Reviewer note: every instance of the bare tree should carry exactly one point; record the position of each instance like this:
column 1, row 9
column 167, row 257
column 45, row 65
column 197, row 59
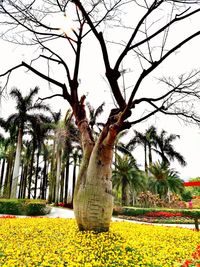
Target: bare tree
column 145, row 39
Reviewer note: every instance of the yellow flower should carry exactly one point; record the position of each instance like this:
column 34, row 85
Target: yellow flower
column 57, row 242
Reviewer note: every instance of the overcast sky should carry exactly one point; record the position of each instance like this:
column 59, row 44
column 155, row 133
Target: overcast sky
column 98, row 91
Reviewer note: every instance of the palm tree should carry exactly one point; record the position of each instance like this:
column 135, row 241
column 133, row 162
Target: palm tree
column 128, row 177
column 25, row 109
column 93, row 115
column 147, row 140
column 76, row 155
column 163, row 180
column 52, row 175
column 41, row 128
column 166, row 150
column 9, row 150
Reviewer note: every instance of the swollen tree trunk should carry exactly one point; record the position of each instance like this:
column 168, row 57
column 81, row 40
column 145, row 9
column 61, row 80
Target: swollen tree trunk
column 15, row 176
column 93, row 199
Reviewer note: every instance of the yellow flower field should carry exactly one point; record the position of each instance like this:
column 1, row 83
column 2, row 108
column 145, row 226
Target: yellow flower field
column 57, row 242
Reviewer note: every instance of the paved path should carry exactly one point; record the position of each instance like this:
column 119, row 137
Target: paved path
column 67, row 213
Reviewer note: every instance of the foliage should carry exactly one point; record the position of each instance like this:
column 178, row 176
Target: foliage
column 128, row 177
column 11, row 206
column 23, row 207
column 57, row 242
column 186, row 195
column 163, row 180
column 36, row 208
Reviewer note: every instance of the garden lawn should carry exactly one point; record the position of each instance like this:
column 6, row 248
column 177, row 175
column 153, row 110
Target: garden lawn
column 57, row 242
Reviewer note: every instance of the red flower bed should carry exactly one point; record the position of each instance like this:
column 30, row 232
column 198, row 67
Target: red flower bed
column 61, row 204
column 7, row 217
column 163, row 214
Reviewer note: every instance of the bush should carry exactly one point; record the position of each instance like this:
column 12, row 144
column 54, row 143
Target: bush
column 23, row 207
column 11, row 206
column 34, row 209
column 148, row 199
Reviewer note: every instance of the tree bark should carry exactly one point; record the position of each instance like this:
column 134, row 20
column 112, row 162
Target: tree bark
column 93, row 198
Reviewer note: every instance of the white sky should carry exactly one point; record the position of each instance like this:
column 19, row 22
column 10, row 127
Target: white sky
column 98, row 91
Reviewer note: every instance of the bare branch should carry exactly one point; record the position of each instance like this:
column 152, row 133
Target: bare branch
column 127, row 48
column 49, row 97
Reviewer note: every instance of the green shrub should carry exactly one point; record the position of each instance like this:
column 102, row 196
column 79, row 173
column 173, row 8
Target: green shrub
column 132, row 211
column 11, row 206
column 23, row 207
column 34, row 209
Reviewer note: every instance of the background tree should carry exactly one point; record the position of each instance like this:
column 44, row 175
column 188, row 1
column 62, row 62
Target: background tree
column 147, row 140
column 128, row 178
column 166, row 150
column 25, row 108
column 145, row 40
column 9, row 148
column 163, row 180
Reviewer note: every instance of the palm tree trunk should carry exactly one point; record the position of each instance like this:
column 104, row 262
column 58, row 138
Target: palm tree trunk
column 24, row 185
column 145, row 159
column 150, row 155
column 58, row 173
column 2, row 175
column 8, row 176
column 31, row 171
column 66, row 180
column 62, row 183
column 15, row 176
column 21, row 182
column 51, row 195
column 44, row 181
column 36, row 173
column 124, row 192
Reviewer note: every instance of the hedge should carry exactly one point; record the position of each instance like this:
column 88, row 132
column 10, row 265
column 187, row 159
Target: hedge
column 132, row 211
column 30, row 207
